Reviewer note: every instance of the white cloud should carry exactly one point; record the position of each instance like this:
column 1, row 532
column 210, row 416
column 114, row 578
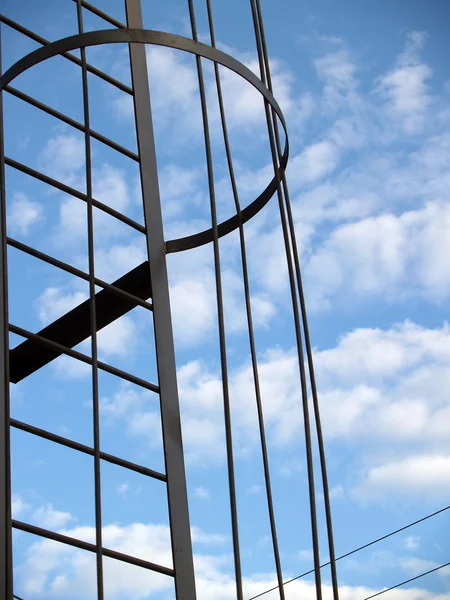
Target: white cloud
column 200, row 392
column 202, row 493
column 118, row 338
column 53, row 570
column 56, row 570
column 53, row 303
column 305, row 555
column 18, row 506
column 50, row 518
column 123, row 489
column 109, row 187
column 291, row 467
column 174, row 85
column 316, row 161
column 137, row 410
column 254, row 489
column 207, row 539
column 192, row 307
column 114, row 261
column 63, row 157
column 23, row 213
column 67, row 367
column 337, row 492
column 179, row 190
column 125, row 401
column 337, row 70
column 416, row 566
column 427, row 476
column 411, row 542
column 194, row 304
column 373, row 378
column 370, row 355
column 367, row 384
column 406, row 88
column 397, row 256
column 176, row 104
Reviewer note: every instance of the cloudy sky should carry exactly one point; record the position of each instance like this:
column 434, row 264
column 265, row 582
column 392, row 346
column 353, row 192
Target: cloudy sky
column 365, row 89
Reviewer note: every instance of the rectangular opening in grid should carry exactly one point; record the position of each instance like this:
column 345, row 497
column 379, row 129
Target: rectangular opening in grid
column 122, row 580
column 45, row 568
column 46, row 217
column 52, row 486
column 135, row 514
column 56, row 398
column 130, row 422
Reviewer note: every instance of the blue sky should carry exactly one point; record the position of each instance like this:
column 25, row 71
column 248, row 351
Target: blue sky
column 365, row 90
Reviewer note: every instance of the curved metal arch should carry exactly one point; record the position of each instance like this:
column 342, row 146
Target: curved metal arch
column 177, row 42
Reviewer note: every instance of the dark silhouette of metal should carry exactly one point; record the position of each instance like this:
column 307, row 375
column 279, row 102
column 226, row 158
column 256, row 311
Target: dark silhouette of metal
column 147, row 286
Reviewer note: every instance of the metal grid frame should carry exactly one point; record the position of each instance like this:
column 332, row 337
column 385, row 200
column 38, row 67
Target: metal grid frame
column 149, row 280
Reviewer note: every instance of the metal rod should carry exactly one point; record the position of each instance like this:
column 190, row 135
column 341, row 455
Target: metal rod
column 83, row 358
column 93, row 317
column 111, row 458
column 78, row 273
column 249, row 317
column 99, row 13
column 6, row 580
column 69, row 121
column 10, row 162
column 40, row 40
column 297, row 323
column 221, row 321
column 76, row 543
column 165, row 353
column 320, row 441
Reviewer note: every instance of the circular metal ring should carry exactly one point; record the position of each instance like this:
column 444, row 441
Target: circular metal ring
column 159, row 38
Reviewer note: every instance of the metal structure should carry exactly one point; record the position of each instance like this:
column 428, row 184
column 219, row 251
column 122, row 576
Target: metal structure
column 147, row 287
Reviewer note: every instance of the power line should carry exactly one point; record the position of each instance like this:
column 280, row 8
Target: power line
column 380, row 539
column 408, row 581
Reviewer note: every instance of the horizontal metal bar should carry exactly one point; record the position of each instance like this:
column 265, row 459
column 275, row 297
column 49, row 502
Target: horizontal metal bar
column 69, row 121
column 111, row 458
column 10, row 162
column 102, row 15
column 60, row 349
column 74, row 271
column 40, row 40
column 70, row 541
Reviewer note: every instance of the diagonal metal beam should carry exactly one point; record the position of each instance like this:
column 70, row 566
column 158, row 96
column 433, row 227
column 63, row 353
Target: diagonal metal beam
column 74, row 327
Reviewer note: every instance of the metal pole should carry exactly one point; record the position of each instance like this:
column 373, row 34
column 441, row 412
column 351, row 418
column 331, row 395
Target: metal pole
column 6, row 586
column 165, row 353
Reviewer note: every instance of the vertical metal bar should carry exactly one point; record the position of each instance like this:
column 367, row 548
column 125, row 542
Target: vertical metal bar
column 297, row 323
column 6, row 574
column 165, row 354
column 93, row 316
column 320, row 441
column 221, row 321
column 248, row 307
